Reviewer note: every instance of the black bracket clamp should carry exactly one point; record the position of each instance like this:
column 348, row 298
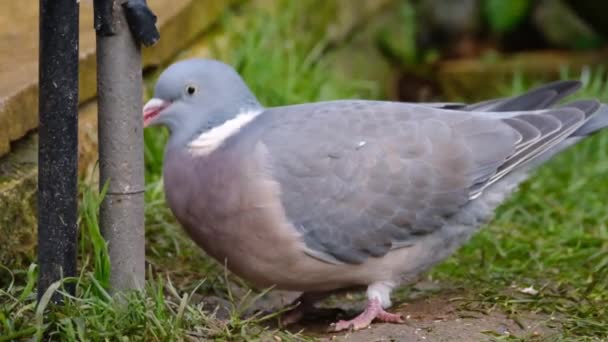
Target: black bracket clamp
column 141, row 20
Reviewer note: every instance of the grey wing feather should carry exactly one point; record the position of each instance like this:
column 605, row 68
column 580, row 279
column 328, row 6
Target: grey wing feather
column 539, row 98
column 555, row 126
column 359, row 178
column 598, row 121
column 529, row 133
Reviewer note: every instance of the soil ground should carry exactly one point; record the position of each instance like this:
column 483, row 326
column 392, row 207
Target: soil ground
column 433, row 313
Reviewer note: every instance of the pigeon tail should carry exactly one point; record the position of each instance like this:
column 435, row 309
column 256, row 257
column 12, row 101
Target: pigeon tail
column 538, row 98
column 597, row 122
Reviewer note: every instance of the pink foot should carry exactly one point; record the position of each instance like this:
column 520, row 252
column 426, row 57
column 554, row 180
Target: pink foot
column 303, row 305
column 373, row 311
column 291, row 317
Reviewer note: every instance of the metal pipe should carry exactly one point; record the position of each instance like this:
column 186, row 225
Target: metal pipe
column 58, row 143
column 119, row 87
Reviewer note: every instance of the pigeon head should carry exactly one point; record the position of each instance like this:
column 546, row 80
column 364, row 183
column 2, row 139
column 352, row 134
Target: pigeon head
column 195, row 95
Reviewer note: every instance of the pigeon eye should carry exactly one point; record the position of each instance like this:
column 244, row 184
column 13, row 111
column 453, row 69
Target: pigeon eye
column 191, row 90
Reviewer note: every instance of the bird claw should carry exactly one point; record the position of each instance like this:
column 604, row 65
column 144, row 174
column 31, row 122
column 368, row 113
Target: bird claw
column 388, row 317
column 291, row 317
column 373, row 311
column 341, row 326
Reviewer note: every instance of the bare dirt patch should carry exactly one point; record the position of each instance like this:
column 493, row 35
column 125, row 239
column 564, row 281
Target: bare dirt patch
column 438, row 318
column 433, row 313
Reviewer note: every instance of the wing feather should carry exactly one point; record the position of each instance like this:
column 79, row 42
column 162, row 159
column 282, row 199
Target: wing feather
column 359, row 178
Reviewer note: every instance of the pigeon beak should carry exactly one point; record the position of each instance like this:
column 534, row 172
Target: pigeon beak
column 152, row 109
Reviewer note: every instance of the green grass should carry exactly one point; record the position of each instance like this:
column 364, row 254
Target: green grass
column 551, row 235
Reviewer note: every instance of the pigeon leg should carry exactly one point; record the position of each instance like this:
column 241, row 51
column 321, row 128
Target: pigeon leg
column 373, row 311
column 305, row 304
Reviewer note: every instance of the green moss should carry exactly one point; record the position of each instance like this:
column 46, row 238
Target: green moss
column 18, row 179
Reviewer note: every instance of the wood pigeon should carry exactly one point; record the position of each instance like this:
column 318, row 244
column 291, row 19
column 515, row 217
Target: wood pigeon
column 338, row 195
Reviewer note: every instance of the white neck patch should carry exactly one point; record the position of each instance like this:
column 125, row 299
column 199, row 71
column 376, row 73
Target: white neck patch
column 210, row 140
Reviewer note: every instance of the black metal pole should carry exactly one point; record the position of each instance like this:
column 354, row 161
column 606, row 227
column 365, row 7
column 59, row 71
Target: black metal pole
column 58, row 142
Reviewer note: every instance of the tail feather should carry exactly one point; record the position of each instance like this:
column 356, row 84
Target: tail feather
column 543, row 97
column 545, row 130
column 555, row 125
column 538, row 98
column 597, row 122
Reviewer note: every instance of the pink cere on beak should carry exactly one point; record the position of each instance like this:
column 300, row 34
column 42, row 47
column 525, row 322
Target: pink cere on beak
column 152, row 109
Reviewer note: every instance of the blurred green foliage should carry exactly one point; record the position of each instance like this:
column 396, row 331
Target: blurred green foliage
column 397, row 38
column 504, row 15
